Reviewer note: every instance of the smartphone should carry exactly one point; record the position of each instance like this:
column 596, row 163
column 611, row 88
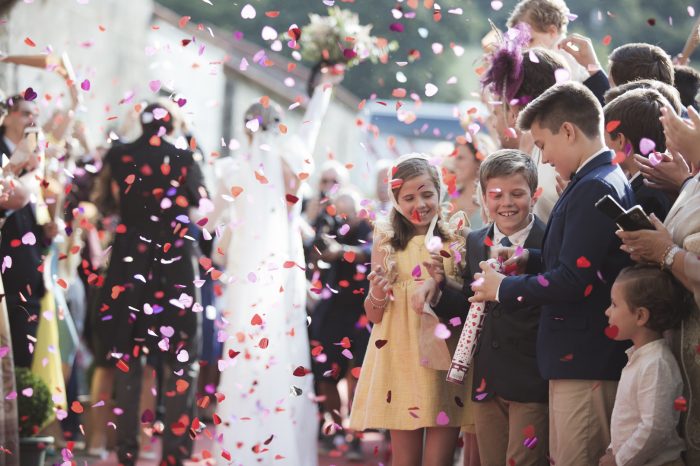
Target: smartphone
column 629, row 220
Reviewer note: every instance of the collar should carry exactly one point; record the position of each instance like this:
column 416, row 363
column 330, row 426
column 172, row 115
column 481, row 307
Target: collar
column 518, row 238
column 604, row 156
column 653, row 346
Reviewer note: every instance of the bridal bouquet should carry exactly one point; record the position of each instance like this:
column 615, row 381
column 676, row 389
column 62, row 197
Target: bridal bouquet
column 339, row 38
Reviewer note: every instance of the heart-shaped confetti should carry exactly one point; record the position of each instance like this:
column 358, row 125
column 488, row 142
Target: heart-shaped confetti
column 29, row 94
column 646, row 145
column 29, row 239
column 442, row 332
column 248, row 12
column 612, row 331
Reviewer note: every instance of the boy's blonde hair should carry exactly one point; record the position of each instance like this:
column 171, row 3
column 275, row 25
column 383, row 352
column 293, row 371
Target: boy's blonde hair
column 540, row 14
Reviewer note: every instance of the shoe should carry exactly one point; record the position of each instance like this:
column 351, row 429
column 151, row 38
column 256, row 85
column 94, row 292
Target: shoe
column 354, row 453
column 330, row 443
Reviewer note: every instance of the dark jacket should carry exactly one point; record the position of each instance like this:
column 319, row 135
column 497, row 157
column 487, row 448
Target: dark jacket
column 599, row 84
column 572, row 275
column 151, row 265
column 505, row 362
column 653, row 201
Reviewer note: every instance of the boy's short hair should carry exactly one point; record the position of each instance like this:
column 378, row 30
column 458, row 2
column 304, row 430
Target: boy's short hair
column 540, row 14
column 507, row 162
column 638, row 112
column 569, row 101
column 630, row 62
column 666, row 90
column 687, row 82
column 539, row 75
column 658, row 290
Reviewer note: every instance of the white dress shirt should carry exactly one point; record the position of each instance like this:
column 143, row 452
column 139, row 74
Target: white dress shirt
column 518, row 238
column 643, row 424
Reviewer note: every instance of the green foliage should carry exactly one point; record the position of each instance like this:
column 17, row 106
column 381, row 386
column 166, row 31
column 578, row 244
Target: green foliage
column 33, row 410
column 624, row 20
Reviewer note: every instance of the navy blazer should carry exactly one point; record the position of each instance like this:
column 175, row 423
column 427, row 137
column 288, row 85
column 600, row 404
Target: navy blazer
column 576, row 268
column 653, row 201
column 505, row 362
column 598, row 84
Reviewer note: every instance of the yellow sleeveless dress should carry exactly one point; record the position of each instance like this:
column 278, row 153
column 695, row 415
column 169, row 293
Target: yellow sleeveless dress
column 394, row 390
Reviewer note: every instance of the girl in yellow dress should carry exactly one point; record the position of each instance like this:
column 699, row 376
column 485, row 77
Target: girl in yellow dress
column 402, row 383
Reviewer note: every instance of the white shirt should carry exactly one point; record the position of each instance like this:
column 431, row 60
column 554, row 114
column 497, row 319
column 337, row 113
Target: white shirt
column 643, row 424
column 518, row 238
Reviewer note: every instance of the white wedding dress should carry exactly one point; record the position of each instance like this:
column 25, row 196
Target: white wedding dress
column 268, row 416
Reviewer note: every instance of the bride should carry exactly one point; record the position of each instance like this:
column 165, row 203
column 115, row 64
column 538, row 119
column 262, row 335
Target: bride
column 269, row 410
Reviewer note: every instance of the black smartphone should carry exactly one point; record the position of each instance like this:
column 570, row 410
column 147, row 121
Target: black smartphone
column 629, row 220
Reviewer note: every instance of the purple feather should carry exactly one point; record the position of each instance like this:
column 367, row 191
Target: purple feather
column 505, row 73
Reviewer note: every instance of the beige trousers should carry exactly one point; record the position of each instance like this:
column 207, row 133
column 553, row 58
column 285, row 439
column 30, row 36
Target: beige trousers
column 501, row 429
column 579, row 420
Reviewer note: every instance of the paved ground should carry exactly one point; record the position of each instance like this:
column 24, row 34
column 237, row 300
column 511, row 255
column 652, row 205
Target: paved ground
column 375, row 450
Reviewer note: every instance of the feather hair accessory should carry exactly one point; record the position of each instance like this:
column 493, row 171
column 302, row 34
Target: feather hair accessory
column 505, row 75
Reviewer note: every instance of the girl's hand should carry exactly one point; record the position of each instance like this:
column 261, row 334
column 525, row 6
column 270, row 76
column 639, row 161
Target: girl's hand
column 379, row 280
column 423, row 294
column 646, row 245
column 435, row 267
column 607, row 460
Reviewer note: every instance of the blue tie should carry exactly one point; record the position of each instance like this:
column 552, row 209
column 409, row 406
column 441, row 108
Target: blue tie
column 505, row 242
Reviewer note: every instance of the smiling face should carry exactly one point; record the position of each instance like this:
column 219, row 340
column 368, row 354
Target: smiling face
column 556, row 148
column 509, row 202
column 418, row 201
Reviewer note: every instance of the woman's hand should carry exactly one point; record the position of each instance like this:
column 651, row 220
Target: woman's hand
column 647, row 245
column 667, row 175
column 682, row 135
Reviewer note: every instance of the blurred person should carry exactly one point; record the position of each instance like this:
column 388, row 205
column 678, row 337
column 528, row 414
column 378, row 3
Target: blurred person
column 149, row 286
column 338, row 324
column 687, row 81
column 463, row 164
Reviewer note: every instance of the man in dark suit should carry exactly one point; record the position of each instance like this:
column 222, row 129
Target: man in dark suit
column 147, row 301
column 508, row 392
column 635, row 128
column 572, row 275
column 23, row 239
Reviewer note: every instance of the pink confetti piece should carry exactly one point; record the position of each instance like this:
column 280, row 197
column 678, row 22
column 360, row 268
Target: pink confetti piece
column 167, row 331
column 29, row 239
column 442, row 419
column 691, row 11
column 416, row 272
column 28, row 392
column 542, row 280
column 154, row 85
column 562, row 75
column 646, row 145
column 496, row 5
column 655, row 158
column 430, row 90
column 455, row 321
column 344, row 229
column 347, row 353
column 183, row 356
column 442, row 332
column 85, row 85
column 159, row 113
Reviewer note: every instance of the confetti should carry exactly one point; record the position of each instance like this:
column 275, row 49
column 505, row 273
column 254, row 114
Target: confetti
column 646, row 145
column 612, row 331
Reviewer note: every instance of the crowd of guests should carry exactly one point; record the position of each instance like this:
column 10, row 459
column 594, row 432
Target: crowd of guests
column 588, row 349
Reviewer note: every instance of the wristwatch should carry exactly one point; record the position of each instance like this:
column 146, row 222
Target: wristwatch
column 670, row 255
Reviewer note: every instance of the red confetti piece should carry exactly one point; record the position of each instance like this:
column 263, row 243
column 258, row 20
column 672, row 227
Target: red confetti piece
column 29, row 42
column 612, row 125
column 183, row 21
column 272, row 14
column 122, row 366
column 680, row 404
column 488, row 241
column 256, row 320
column 619, row 157
column 388, row 396
column 301, row 371
column 236, row 191
column 529, row 431
column 607, row 39
column 349, row 256
column 588, row 290
column 612, row 331
column 356, row 372
column 567, row 357
column 76, row 407
column 345, row 342
column 582, row 263
column 264, row 343
column 292, row 199
column 380, row 343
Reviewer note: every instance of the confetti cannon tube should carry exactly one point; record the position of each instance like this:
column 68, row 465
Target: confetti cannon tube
column 464, row 354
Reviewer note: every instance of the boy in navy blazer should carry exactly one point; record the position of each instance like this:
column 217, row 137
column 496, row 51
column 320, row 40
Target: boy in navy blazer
column 571, row 276
column 508, row 392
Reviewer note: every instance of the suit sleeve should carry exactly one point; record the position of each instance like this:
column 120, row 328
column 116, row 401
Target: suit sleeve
column 194, row 183
column 587, row 240
column 598, row 84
